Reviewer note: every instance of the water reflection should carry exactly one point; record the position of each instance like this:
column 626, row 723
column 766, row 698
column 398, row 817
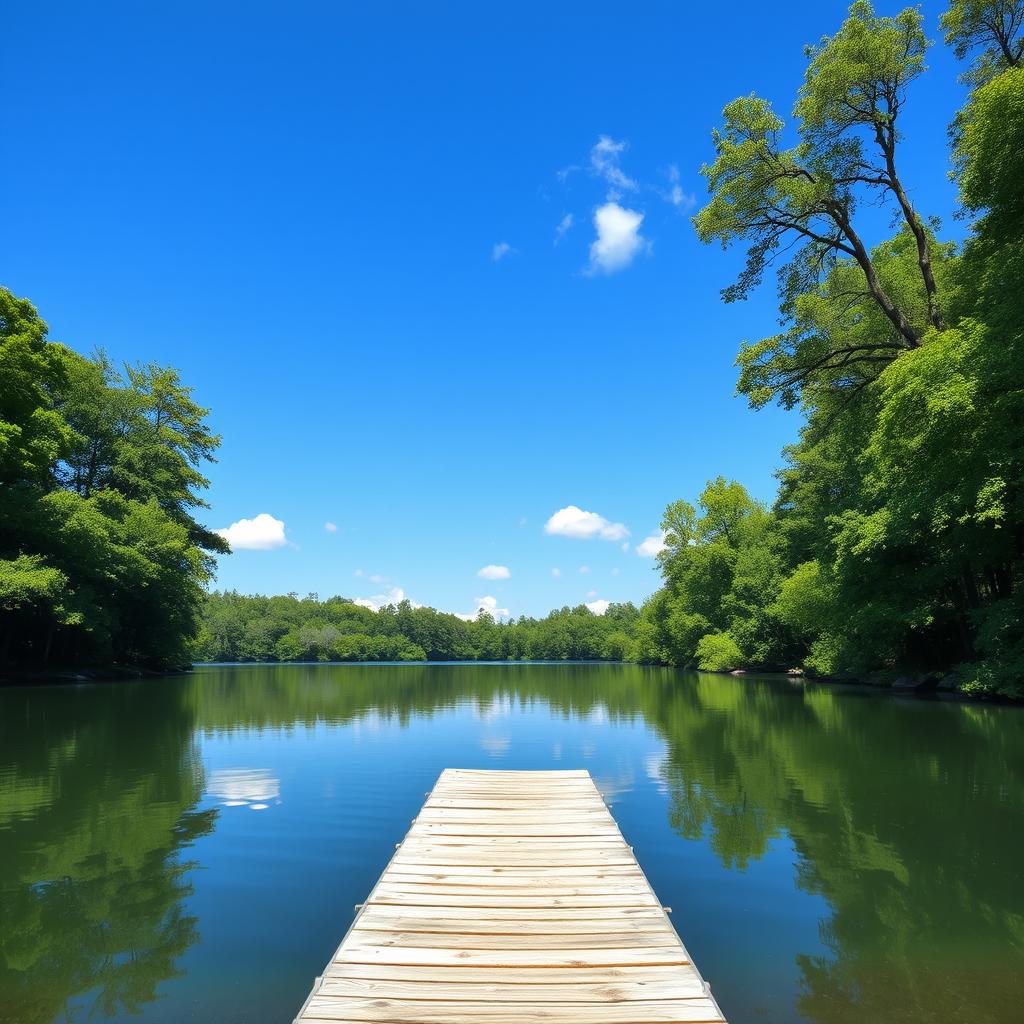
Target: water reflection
column 254, row 788
column 904, row 820
column 906, row 817
column 97, row 805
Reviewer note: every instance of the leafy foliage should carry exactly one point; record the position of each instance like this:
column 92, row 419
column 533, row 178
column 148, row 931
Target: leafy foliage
column 101, row 560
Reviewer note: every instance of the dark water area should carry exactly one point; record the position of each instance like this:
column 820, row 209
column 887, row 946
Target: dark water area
column 191, row 848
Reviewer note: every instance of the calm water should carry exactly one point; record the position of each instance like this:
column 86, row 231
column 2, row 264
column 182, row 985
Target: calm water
column 191, row 849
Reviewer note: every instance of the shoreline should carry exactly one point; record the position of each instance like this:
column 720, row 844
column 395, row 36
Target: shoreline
column 921, row 690
column 73, row 676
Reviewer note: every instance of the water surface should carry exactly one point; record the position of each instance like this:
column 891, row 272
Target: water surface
column 191, row 849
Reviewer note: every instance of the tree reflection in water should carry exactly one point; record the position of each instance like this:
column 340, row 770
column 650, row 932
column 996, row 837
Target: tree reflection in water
column 98, row 801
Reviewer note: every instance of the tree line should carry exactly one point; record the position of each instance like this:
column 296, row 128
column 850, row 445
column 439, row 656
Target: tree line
column 237, row 627
column 895, row 543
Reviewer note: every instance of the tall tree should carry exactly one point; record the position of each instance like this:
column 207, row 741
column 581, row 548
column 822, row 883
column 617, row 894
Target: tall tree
column 856, row 85
column 796, row 208
column 989, row 31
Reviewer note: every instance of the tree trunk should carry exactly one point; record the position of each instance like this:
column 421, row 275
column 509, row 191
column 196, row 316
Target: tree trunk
column 878, row 293
column 924, row 258
column 50, row 630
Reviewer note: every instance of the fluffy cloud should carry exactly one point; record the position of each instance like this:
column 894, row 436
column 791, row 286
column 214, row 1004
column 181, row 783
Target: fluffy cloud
column 501, row 250
column 572, row 521
column 262, row 533
column 618, row 238
column 331, row 527
column 394, row 595
column 487, row 604
column 651, row 546
column 563, row 228
column 598, row 607
column 494, row 572
column 604, row 162
column 584, row 569
column 556, row 572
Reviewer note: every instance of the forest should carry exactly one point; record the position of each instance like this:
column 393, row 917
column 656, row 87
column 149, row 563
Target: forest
column 895, row 545
column 289, row 628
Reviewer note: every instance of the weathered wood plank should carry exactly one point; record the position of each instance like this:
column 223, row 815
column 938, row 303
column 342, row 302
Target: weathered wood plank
column 517, row 991
column 500, row 898
column 412, row 1011
column 488, row 925
column 591, row 976
column 513, row 899
column 570, row 956
column 375, row 909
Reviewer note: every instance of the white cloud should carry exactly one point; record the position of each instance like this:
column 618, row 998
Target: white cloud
column 494, row 572
column 683, row 201
column 487, row 604
column 654, row 765
column 496, row 746
column 393, row 595
column 501, row 250
column 584, row 569
column 618, row 238
column 604, row 162
column 652, row 545
column 572, row 521
column 686, row 200
column 598, row 607
column 262, row 533
column 331, row 527
column 377, row 578
column 563, row 227
column 244, row 787
column 591, row 593
column 556, row 572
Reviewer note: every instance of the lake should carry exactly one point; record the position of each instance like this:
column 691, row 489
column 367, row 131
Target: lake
column 191, row 848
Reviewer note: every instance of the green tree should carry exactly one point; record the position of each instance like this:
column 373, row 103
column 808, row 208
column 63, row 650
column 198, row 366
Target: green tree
column 987, row 30
column 723, row 567
column 101, row 560
column 795, row 209
column 33, row 435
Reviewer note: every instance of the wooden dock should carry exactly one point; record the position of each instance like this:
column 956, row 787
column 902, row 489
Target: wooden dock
column 513, row 899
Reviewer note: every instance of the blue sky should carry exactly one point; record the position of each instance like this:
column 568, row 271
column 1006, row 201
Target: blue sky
column 430, row 266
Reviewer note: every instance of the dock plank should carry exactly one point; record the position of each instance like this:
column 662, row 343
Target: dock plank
column 512, row 899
